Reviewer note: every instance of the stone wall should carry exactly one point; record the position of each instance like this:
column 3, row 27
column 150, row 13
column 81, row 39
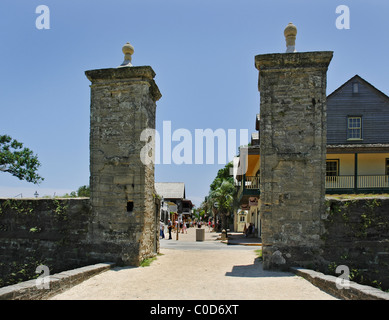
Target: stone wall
column 59, row 282
column 42, row 231
column 356, row 234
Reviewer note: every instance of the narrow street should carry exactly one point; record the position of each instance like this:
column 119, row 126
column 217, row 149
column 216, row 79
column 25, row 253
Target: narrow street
column 190, row 270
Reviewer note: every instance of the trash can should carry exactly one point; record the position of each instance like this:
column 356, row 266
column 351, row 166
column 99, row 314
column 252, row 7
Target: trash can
column 200, row 234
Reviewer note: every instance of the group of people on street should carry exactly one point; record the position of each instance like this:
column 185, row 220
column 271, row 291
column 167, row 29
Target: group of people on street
column 181, row 226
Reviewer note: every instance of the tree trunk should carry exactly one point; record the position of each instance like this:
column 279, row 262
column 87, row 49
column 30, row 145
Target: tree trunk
column 224, row 221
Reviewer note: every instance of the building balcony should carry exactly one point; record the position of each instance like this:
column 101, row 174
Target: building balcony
column 357, row 184
column 248, row 187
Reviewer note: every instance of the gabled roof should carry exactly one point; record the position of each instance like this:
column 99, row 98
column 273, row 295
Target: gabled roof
column 357, row 77
column 170, row 190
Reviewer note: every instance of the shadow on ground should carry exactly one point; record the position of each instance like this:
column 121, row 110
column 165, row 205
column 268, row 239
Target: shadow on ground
column 240, row 238
column 255, row 270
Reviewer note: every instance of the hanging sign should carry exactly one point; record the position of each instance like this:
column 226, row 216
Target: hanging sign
column 253, row 201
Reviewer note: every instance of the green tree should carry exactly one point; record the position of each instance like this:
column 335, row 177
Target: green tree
column 222, row 175
column 222, row 194
column 198, row 213
column 223, row 199
column 18, row 161
column 83, row 191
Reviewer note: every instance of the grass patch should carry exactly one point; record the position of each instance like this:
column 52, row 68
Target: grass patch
column 356, row 196
column 258, row 252
column 147, row 262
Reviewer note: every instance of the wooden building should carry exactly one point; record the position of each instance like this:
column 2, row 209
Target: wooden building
column 174, row 204
column 357, row 139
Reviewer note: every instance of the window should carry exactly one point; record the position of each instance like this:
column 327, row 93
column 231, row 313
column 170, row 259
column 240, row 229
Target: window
column 332, row 168
column 130, row 206
column 354, row 128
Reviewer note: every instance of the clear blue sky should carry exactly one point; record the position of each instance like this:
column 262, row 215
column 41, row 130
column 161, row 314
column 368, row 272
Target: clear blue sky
column 202, row 52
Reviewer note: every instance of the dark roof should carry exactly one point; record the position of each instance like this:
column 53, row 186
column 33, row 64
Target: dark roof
column 358, row 148
column 364, row 82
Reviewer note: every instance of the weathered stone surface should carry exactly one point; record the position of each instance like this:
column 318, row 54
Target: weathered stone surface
column 330, row 284
column 123, row 104
column 293, row 150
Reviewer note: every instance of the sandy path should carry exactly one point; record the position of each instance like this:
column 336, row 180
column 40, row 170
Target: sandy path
column 198, row 275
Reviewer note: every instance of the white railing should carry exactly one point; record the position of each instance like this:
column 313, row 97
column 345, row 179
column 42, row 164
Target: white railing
column 380, row 181
column 339, row 182
column 248, row 182
column 363, row 182
column 252, row 182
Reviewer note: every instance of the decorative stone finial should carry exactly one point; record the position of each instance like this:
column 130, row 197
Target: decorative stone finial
column 290, row 33
column 128, row 50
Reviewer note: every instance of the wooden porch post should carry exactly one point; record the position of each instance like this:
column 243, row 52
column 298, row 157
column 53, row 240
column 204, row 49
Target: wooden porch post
column 356, row 172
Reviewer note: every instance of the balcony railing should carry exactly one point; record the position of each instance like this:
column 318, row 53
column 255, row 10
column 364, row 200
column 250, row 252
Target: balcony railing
column 340, row 182
column 334, row 184
column 251, row 182
column 361, row 183
column 248, row 186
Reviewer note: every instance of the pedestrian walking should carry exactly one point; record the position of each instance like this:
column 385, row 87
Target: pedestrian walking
column 161, row 230
column 169, row 227
column 184, row 227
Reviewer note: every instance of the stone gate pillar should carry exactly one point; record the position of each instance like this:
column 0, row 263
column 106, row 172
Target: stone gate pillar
column 123, row 103
column 292, row 89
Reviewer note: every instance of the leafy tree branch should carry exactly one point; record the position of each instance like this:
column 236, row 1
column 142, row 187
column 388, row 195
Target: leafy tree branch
column 18, row 161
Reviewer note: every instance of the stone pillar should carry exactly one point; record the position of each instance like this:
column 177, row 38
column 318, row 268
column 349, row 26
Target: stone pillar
column 292, row 89
column 125, row 228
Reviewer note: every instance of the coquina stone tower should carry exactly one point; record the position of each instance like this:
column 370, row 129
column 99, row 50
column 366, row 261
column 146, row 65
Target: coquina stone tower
column 292, row 89
column 125, row 211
